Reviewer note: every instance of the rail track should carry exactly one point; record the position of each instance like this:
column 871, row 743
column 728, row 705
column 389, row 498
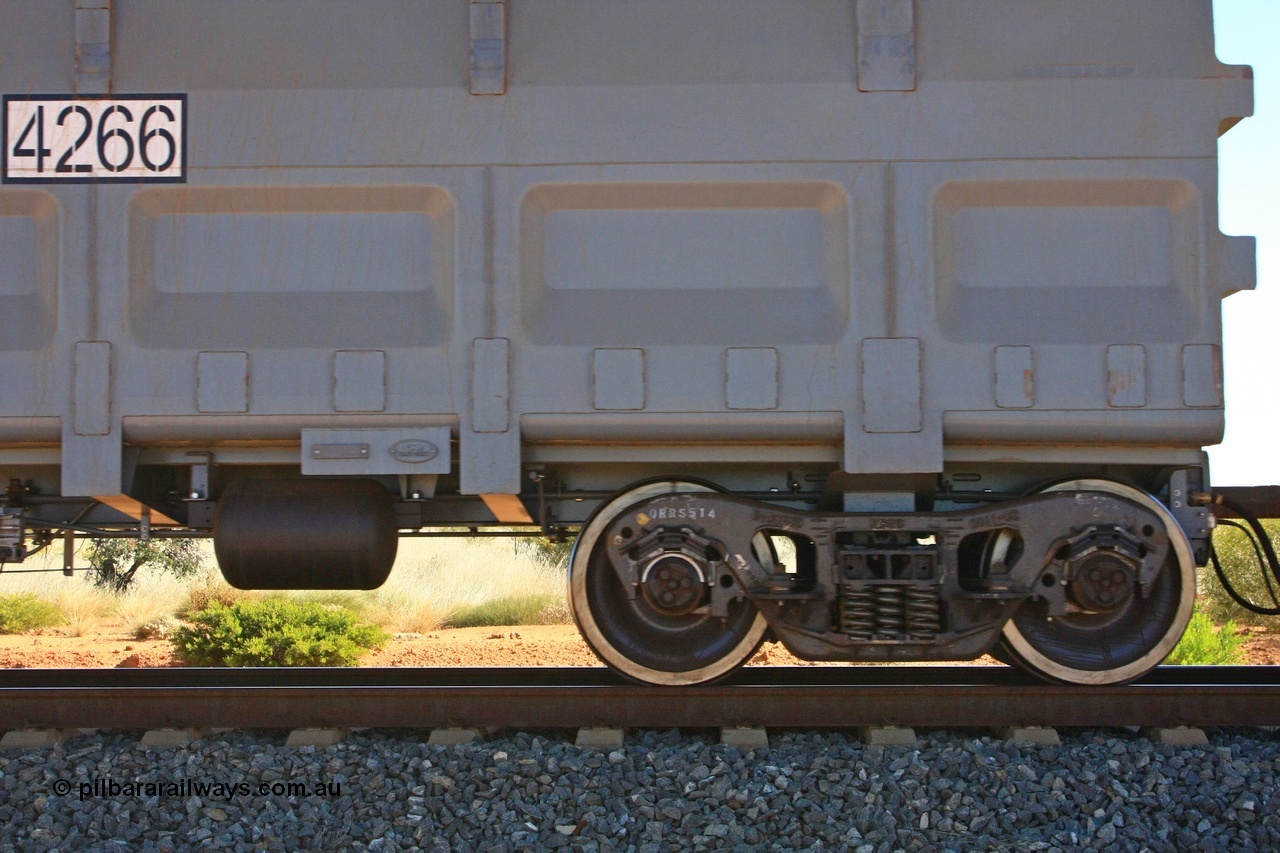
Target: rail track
column 538, row 698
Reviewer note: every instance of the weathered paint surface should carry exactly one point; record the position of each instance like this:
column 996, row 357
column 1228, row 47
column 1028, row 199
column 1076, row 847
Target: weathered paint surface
column 741, row 221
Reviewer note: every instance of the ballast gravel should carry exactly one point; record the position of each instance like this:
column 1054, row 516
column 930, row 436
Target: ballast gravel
column 391, row 791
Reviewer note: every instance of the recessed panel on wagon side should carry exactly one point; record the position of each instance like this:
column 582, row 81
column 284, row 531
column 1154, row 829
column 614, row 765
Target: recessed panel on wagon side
column 291, row 267
column 673, row 263
column 1066, row 261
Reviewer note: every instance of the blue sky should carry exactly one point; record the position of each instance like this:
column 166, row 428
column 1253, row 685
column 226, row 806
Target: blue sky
column 1248, row 33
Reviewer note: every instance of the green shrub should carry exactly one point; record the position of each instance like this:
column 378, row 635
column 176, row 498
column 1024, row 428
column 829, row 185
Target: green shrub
column 276, row 632
column 523, row 609
column 25, row 612
column 1204, row 644
column 1240, row 565
column 348, row 599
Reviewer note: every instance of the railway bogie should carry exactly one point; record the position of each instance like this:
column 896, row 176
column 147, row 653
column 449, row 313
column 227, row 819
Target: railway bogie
column 1090, row 581
column 921, row 299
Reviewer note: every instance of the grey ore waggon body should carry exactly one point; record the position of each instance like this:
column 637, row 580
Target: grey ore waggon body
column 886, row 329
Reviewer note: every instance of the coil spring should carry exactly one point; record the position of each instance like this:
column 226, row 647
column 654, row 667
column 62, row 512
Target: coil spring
column 857, row 614
column 888, row 611
column 924, row 613
column 891, row 611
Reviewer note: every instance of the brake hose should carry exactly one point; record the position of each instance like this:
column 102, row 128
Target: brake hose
column 1263, row 550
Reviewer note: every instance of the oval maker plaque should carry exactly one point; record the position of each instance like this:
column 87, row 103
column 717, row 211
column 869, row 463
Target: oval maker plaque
column 414, row 450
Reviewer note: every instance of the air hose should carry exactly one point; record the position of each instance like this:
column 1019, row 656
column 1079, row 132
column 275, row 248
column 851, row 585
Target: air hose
column 1263, row 549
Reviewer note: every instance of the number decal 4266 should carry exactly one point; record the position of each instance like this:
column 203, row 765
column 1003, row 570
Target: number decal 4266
column 121, row 138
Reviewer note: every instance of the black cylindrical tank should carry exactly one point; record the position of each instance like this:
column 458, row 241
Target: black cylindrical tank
column 305, row 534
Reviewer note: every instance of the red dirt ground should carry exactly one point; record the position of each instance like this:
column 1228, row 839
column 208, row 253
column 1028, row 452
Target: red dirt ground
column 110, row 646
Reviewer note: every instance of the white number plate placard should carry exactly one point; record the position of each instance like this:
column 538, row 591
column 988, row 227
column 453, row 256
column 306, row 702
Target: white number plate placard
column 64, row 139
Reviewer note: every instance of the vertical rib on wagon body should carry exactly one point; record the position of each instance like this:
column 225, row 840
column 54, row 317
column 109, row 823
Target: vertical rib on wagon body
column 874, row 259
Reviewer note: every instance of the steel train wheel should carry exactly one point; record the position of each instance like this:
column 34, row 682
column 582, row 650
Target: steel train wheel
column 1108, row 648
column 638, row 641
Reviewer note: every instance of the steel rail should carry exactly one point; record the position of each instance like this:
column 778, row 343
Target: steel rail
column 535, row 698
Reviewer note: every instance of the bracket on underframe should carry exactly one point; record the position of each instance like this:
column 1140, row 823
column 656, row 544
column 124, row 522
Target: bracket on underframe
column 93, row 47
column 886, row 45
column 488, row 59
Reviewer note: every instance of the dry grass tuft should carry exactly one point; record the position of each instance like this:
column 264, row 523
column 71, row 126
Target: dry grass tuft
column 556, row 613
column 435, row 580
column 83, row 607
column 402, row 613
column 149, row 604
column 208, row 589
